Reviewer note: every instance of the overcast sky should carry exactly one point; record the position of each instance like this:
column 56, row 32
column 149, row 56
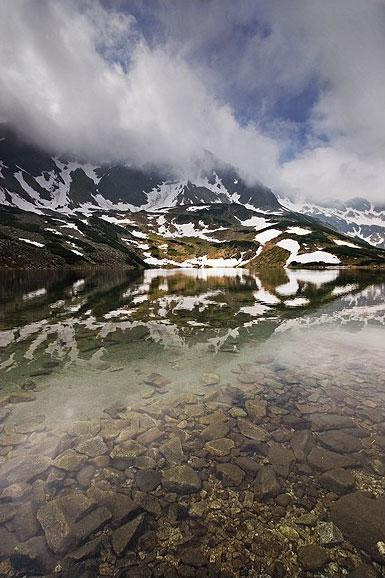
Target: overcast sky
column 292, row 92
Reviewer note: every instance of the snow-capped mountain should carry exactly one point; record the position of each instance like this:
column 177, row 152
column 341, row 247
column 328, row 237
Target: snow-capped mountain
column 57, row 213
column 32, row 180
column 356, row 217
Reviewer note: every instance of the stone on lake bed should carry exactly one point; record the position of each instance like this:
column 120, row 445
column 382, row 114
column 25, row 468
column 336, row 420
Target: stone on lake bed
column 220, row 447
column 312, row 557
column 301, row 443
column 339, row 441
column 281, row 459
column 208, row 379
column 172, row 450
column 252, row 431
column 181, row 479
column 92, row 447
column 69, row 519
column 322, row 459
column 266, row 483
column 147, row 480
column 70, row 461
column 121, row 537
column 126, row 452
column 326, row 421
column 21, row 396
column 339, row 481
column 256, row 408
column 157, row 380
column 328, row 534
column 230, row 474
column 361, row 520
column 217, row 429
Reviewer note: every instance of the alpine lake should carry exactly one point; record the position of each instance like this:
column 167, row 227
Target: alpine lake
column 196, row 422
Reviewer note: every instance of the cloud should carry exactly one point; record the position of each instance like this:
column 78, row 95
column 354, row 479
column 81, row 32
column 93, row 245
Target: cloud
column 70, row 84
column 162, row 82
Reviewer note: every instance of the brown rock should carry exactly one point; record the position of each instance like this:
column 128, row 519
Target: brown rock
column 181, row 479
column 121, row 537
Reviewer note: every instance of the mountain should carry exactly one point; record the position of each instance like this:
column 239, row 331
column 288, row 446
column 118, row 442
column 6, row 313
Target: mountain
column 356, row 217
column 57, row 213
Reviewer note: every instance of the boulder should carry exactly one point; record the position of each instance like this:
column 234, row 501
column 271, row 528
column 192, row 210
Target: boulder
column 301, row 443
column 220, row 447
column 147, row 480
column 230, row 474
column 340, row 441
column 121, row 537
column 312, row 557
column 92, row 447
column 70, row 461
column 217, row 429
column 339, row 481
column 172, row 450
column 281, row 459
column 361, row 520
column 266, row 483
column 181, row 479
column 324, row 460
column 252, row 431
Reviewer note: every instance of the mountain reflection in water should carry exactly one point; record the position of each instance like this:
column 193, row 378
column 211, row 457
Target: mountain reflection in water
column 100, row 332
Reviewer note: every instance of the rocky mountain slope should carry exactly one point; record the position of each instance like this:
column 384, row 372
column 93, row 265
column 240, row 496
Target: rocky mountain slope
column 356, row 217
column 56, row 213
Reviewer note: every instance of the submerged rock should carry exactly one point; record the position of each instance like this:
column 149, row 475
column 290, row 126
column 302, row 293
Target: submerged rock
column 322, row 459
column 122, row 536
column 361, row 520
column 266, row 483
column 181, row 479
column 339, row 481
column 312, row 557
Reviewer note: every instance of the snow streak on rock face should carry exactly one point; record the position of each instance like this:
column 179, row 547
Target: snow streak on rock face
column 356, row 218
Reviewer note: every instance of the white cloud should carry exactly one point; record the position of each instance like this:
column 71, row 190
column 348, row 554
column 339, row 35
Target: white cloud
column 80, row 79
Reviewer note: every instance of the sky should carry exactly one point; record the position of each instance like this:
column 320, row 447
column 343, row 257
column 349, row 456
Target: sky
column 291, row 92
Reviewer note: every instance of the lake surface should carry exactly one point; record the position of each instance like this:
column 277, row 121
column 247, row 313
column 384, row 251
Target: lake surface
column 211, row 408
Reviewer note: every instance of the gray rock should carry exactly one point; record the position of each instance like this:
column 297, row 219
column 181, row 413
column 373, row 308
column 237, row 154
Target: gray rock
column 181, row 479
column 230, row 474
column 324, row 460
column 121, row 537
column 172, row 451
column 8, row 542
column 124, row 454
column 256, row 408
column 252, row 431
column 301, row 443
column 339, row 441
column 339, row 481
column 266, row 483
column 312, row 557
column 361, row 520
column 281, row 459
column 326, row 421
column 92, row 447
column 33, row 556
column 23, row 469
column 59, row 519
column 217, row 429
column 120, row 505
column 328, row 534
column 220, row 447
column 70, row 461
column 147, row 480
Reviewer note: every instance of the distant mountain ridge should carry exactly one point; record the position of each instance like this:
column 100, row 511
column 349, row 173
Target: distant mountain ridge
column 356, row 217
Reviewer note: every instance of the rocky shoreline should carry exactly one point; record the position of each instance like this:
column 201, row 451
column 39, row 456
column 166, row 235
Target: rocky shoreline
column 265, row 476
